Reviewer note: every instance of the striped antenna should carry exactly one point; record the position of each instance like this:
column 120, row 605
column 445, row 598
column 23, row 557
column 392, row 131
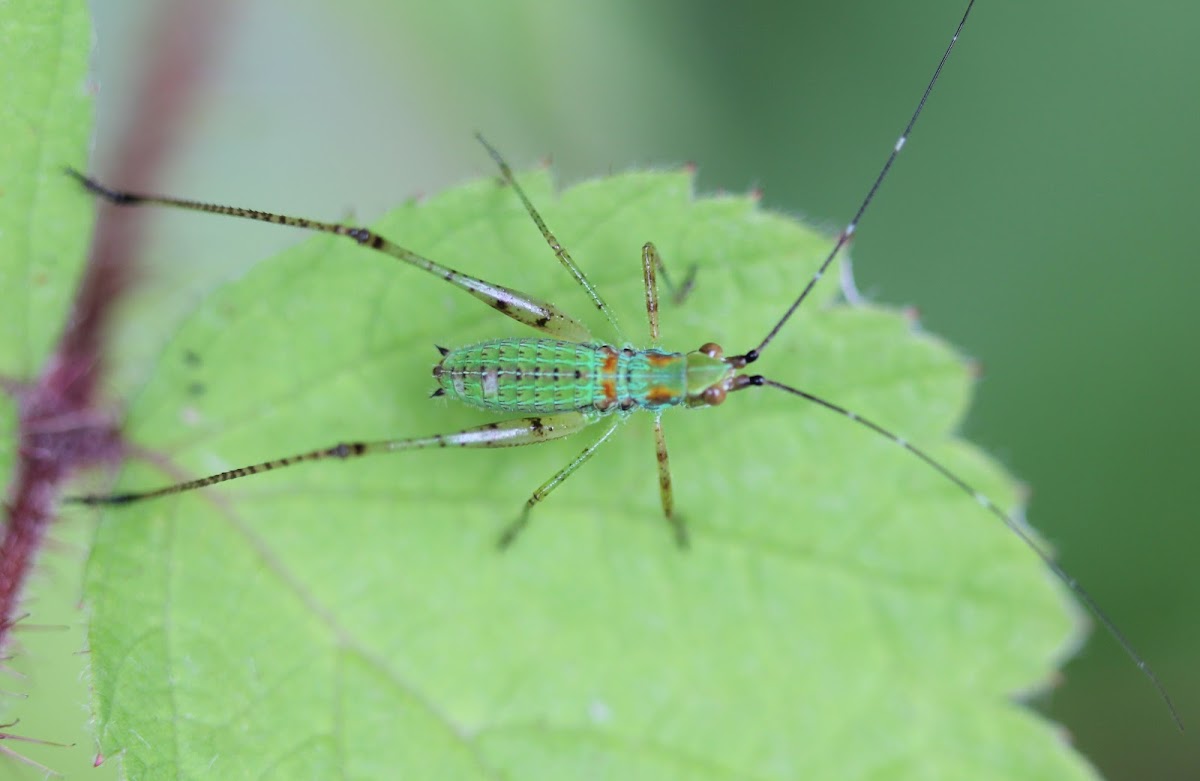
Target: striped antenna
column 1013, row 526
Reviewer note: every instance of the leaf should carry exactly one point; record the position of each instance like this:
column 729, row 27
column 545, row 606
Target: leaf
column 45, row 119
column 844, row 612
column 45, row 123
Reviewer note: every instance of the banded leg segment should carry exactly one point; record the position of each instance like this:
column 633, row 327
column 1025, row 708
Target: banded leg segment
column 522, row 307
column 505, row 433
column 664, row 484
column 651, row 262
column 560, row 252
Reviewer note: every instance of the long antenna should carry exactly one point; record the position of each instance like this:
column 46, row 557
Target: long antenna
column 991, row 507
column 848, row 232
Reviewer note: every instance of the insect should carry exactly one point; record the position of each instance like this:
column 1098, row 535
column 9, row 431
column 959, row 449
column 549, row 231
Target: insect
column 565, row 380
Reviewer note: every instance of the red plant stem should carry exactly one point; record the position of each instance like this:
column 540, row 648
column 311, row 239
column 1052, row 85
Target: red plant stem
column 61, row 430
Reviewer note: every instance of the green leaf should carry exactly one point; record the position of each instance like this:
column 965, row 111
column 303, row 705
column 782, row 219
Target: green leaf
column 45, row 123
column 843, row 613
column 45, row 120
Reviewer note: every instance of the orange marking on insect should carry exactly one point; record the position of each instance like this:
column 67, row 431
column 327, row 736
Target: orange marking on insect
column 660, row 394
column 659, row 361
column 608, row 372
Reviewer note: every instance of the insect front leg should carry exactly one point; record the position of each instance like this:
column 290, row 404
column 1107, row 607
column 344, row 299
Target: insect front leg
column 664, row 484
column 652, row 265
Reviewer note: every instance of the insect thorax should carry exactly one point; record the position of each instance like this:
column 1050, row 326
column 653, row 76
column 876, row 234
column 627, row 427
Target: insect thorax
column 549, row 375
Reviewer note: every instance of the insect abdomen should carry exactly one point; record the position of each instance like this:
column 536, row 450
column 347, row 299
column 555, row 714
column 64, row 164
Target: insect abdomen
column 549, row 375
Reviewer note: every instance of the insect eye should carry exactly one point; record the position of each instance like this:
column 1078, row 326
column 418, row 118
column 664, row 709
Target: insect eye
column 714, row 394
column 711, row 349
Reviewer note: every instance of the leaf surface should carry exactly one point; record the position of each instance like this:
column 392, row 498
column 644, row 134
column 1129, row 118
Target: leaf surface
column 843, row 613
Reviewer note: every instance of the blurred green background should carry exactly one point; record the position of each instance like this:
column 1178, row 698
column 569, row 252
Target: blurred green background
column 1039, row 219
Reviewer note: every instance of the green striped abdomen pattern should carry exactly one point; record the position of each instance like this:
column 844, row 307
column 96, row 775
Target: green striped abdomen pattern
column 550, row 375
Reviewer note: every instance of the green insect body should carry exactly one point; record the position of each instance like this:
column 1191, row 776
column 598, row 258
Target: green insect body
column 549, row 375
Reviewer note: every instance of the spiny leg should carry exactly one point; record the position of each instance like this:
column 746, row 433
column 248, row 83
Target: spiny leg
column 522, row 307
column 505, row 433
column 664, row 484
column 517, row 526
column 560, row 252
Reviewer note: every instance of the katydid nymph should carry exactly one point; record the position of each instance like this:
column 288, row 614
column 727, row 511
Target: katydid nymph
column 565, row 379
